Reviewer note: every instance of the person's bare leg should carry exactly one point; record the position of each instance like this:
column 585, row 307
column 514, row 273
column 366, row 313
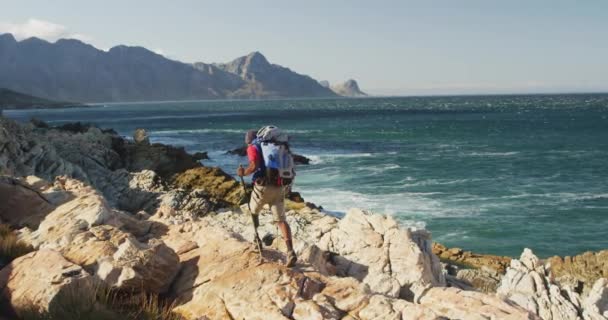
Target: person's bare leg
column 286, row 232
column 291, row 255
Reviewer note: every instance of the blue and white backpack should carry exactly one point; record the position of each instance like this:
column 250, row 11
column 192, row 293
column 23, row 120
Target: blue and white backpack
column 278, row 159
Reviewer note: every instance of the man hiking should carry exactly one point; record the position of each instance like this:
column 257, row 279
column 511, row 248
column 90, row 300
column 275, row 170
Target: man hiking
column 271, row 164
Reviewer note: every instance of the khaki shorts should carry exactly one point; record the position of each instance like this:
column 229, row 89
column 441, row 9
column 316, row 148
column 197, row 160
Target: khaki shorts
column 272, row 196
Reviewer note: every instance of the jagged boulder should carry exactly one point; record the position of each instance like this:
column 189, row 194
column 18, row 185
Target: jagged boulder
column 452, row 303
column 179, row 205
column 98, row 157
column 89, row 232
column 483, row 279
column 371, row 248
column 222, row 277
column 527, row 284
column 22, row 205
column 40, row 280
column 140, row 136
column 595, row 305
column 135, row 266
column 470, row 259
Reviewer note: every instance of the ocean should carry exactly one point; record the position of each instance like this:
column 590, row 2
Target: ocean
column 491, row 174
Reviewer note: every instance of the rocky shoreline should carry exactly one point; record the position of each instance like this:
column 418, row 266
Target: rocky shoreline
column 96, row 208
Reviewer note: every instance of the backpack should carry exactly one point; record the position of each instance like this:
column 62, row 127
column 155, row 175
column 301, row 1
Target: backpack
column 278, row 159
column 272, row 133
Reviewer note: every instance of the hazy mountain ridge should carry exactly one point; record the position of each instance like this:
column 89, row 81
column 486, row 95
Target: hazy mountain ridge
column 10, row 99
column 71, row 70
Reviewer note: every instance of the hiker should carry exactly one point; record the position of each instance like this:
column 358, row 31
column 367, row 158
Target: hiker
column 271, row 164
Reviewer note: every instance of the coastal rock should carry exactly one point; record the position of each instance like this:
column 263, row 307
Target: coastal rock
column 369, row 247
column 22, row 205
column 470, row 259
column 528, row 285
column 139, row 267
column 595, row 305
column 452, row 303
column 200, row 156
column 89, row 232
column 218, row 186
column 221, row 277
column 180, row 205
column 140, row 136
column 163, row 159
column 40, row 280
column 484, row 279
column 583, row 269
column 100, row 158
column 391, row 260
column 24, row 153
column 86, row 209
column 300, row 159
column 240, row 151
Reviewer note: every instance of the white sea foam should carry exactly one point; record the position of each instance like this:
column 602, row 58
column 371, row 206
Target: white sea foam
column 431, row 182
column 492, row 154
column 330, row 158
column 379, row 168
column 181, row 131
column 218, row 130
column 451, row 236
column 172, row 141
column 410, row 207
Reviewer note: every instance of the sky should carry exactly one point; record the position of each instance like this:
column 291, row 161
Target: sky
column 389, row 47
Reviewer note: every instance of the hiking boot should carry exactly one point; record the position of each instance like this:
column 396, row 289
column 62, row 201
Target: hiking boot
column 257, row 244
column 291, row 259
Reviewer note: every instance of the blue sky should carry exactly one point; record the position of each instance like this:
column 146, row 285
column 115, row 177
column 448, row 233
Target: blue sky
column 390, row 47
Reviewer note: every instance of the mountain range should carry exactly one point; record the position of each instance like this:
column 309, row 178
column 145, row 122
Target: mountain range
column 71, row 70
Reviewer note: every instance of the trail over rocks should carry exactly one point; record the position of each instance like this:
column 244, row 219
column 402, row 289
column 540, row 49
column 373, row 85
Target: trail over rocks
column 174, row 230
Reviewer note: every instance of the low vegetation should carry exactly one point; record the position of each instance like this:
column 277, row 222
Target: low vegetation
column 104, row 303
column 10, row 247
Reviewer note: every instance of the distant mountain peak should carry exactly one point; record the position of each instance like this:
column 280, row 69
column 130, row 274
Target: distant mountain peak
column 7, row 37
column 256, row 55
column 265, row 79
column 349, row 88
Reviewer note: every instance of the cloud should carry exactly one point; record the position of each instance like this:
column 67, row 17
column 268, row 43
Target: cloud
column 41, row 29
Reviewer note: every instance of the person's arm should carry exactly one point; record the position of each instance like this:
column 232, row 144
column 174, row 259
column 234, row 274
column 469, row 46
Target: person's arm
column 253, row 166
column 252, row 154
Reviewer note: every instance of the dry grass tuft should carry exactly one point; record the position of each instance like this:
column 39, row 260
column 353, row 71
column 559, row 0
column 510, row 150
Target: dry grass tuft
column 104, row 304
column 10, row 247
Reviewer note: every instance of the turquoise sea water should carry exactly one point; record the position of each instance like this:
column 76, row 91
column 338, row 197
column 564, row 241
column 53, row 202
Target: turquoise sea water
column 487, row 173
